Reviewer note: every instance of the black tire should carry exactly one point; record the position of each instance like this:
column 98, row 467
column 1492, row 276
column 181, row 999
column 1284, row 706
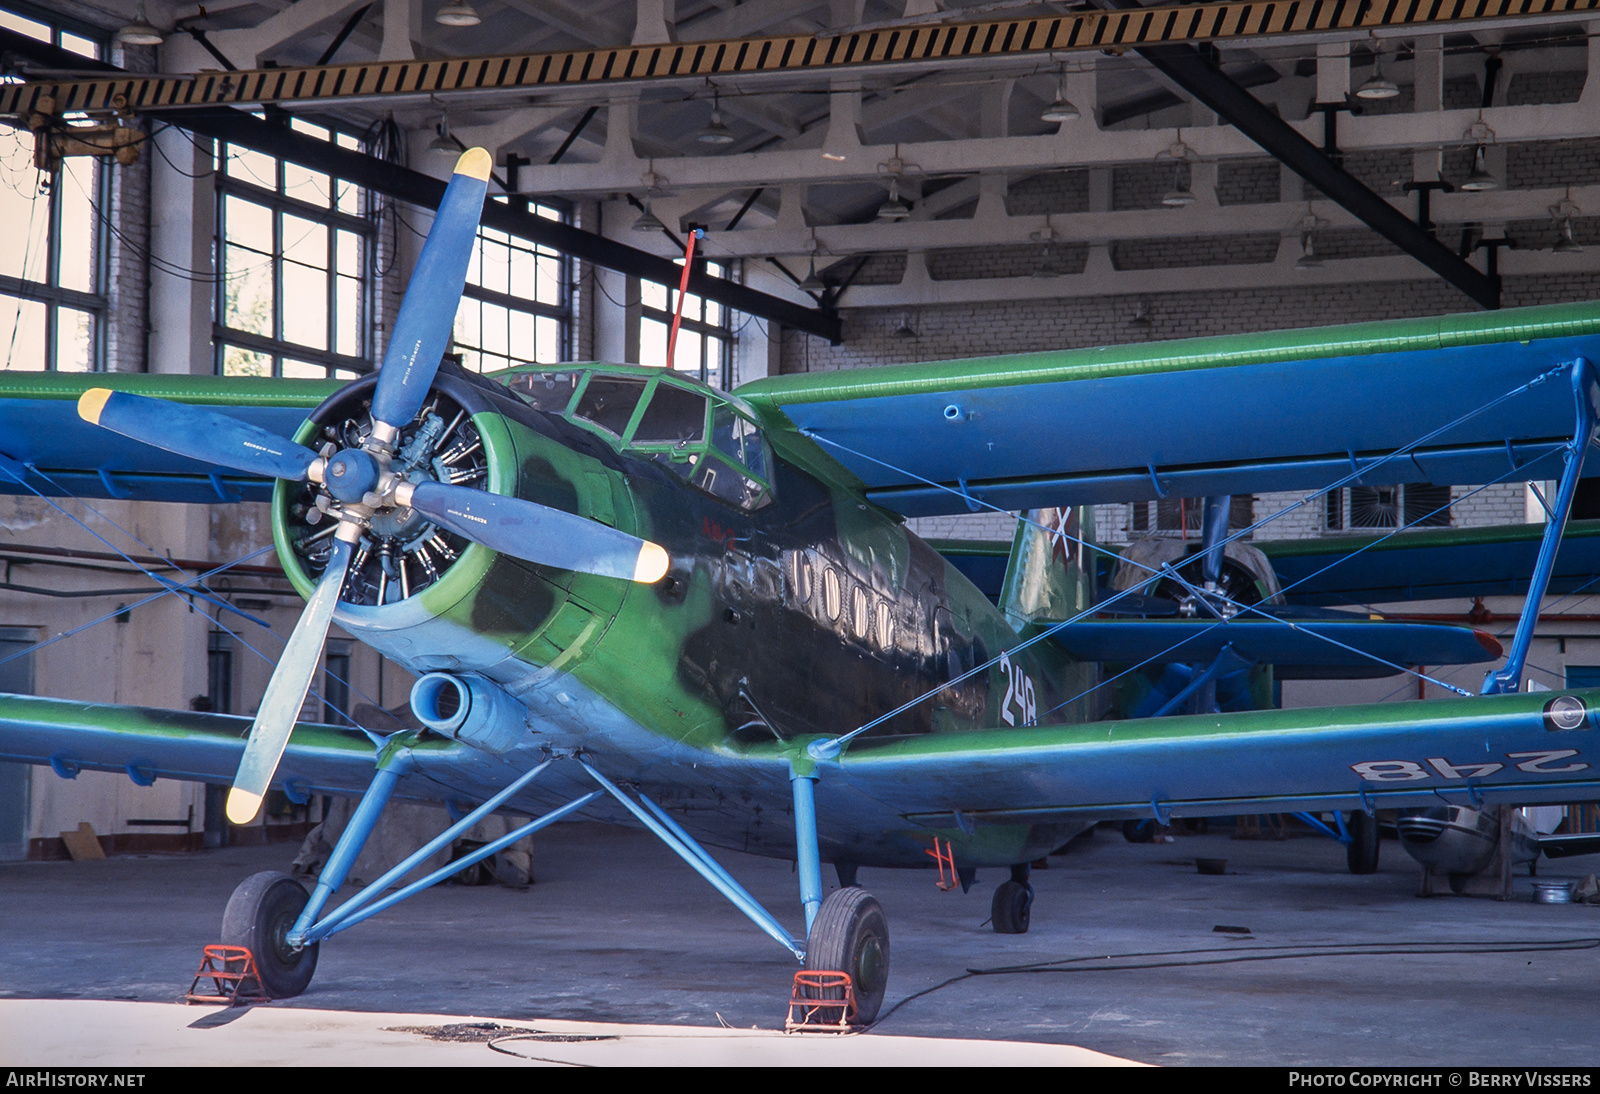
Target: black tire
column 851, row 935
column 259, row 915
column 1009, row 910
column 1138, row 831
column 1362, row 852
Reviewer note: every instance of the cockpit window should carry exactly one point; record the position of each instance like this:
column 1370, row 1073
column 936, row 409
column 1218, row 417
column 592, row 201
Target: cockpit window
column 609, row 401
column 674, row 416
column 550, row 392
column 737, row 437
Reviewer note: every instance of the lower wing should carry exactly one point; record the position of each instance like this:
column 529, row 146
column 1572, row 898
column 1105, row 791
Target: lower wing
column 1513, row 749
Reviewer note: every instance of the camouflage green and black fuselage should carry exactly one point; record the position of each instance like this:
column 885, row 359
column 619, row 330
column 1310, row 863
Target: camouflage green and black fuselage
column 793, row 608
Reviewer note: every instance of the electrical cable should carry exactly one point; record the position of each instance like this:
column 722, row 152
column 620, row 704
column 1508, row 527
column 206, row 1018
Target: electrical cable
column 1130, row 962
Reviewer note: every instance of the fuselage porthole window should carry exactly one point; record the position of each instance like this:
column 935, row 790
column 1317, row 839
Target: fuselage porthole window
column 802, row 578
column 861, row 612
column 831, row 602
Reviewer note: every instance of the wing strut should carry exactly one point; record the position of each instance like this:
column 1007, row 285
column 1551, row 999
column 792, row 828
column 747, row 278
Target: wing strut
column 1586, row 396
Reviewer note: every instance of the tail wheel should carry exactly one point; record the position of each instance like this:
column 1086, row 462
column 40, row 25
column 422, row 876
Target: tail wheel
column 851, row 935
column 1362, row 854
column 260, row 914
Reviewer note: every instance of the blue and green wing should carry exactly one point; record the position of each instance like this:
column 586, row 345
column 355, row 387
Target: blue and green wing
column 1285, row 410
column 45, row 444
column 1510, row 749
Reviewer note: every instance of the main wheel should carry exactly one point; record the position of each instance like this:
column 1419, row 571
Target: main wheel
column 259, row 915
column 851, row 935
column 1362, row 853
column 1009, row 911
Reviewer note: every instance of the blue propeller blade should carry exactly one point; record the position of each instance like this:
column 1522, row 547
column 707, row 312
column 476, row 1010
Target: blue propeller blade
column 539, row 534
column 286, row 691
column 428, row 312
column 200, row 434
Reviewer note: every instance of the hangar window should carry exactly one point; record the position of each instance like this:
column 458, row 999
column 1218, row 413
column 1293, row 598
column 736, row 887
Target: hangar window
column 515, row 307
column 1421, row 505
column 705, row 336
column 52, row 276
column 294, row 266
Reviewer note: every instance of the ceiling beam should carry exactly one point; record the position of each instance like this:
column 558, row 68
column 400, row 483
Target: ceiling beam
column 401, row 183
column 1186, row 67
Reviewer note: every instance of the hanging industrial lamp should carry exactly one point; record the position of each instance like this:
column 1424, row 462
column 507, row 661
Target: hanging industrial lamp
column 1308, row 259
column 894, row 208
column 140, row 32
column 1061, row 108
column 648, row 221
column 1377, row 86
column 1481, row 178
column 458, row 13
column 1566, row 245
column 716, row 131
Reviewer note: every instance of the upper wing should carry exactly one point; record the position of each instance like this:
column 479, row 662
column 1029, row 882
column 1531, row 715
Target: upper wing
column 61, row 454
column 1287, row 410
column 1462, row 751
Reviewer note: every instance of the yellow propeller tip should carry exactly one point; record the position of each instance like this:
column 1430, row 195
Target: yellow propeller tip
column 243, row 806
column 476, row 163
column 92, row 403
column 652, row 564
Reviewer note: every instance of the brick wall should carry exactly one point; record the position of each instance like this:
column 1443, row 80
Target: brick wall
column 1181, row 251
column 1248, row 182
column 964, row 263
column 1052, row 192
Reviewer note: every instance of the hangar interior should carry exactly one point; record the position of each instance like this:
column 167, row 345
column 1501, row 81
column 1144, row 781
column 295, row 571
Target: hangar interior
column 873, row 215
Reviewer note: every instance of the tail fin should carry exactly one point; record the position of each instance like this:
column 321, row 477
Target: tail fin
column 1047, row 578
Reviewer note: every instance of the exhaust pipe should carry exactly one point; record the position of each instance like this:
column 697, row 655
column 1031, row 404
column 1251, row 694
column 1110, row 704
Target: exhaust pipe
column 470, row 709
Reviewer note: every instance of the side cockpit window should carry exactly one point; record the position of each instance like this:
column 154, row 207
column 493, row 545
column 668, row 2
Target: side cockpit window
column 609, row 402
column 550, row 392
column 740, row 475
column 675, row 416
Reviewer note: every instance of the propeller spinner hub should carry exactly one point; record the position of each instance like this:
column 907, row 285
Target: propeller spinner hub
column 351, row 475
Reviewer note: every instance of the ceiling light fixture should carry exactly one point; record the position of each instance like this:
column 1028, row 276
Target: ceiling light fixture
column 812, row 282
column 1061, row 108
column 648, row 221
column 1378, row 86
column 458, row 13
column 894, row 208
column 1481, row 178
column 1180, row 153
column 1308, row 259
column 1566, row 245
column 140, row 32
column 441, row 143
column 715, row 132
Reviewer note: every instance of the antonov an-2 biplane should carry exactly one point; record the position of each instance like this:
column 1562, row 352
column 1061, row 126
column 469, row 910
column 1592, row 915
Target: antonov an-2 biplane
column 629, row 595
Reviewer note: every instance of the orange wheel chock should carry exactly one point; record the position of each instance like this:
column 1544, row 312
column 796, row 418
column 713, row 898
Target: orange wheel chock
column 821, row 1002
column 232, row 972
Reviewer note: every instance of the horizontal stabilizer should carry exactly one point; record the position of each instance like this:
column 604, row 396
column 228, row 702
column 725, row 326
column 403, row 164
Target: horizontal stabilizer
column 1320, row 644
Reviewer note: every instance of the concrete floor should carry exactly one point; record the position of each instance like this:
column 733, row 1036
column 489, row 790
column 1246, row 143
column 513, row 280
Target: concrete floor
column 618, row 931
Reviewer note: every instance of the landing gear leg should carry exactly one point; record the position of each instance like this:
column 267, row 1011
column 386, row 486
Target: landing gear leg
column 1013, row 902
column 848, row 931
column 269, row 911
column 1362, row 853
